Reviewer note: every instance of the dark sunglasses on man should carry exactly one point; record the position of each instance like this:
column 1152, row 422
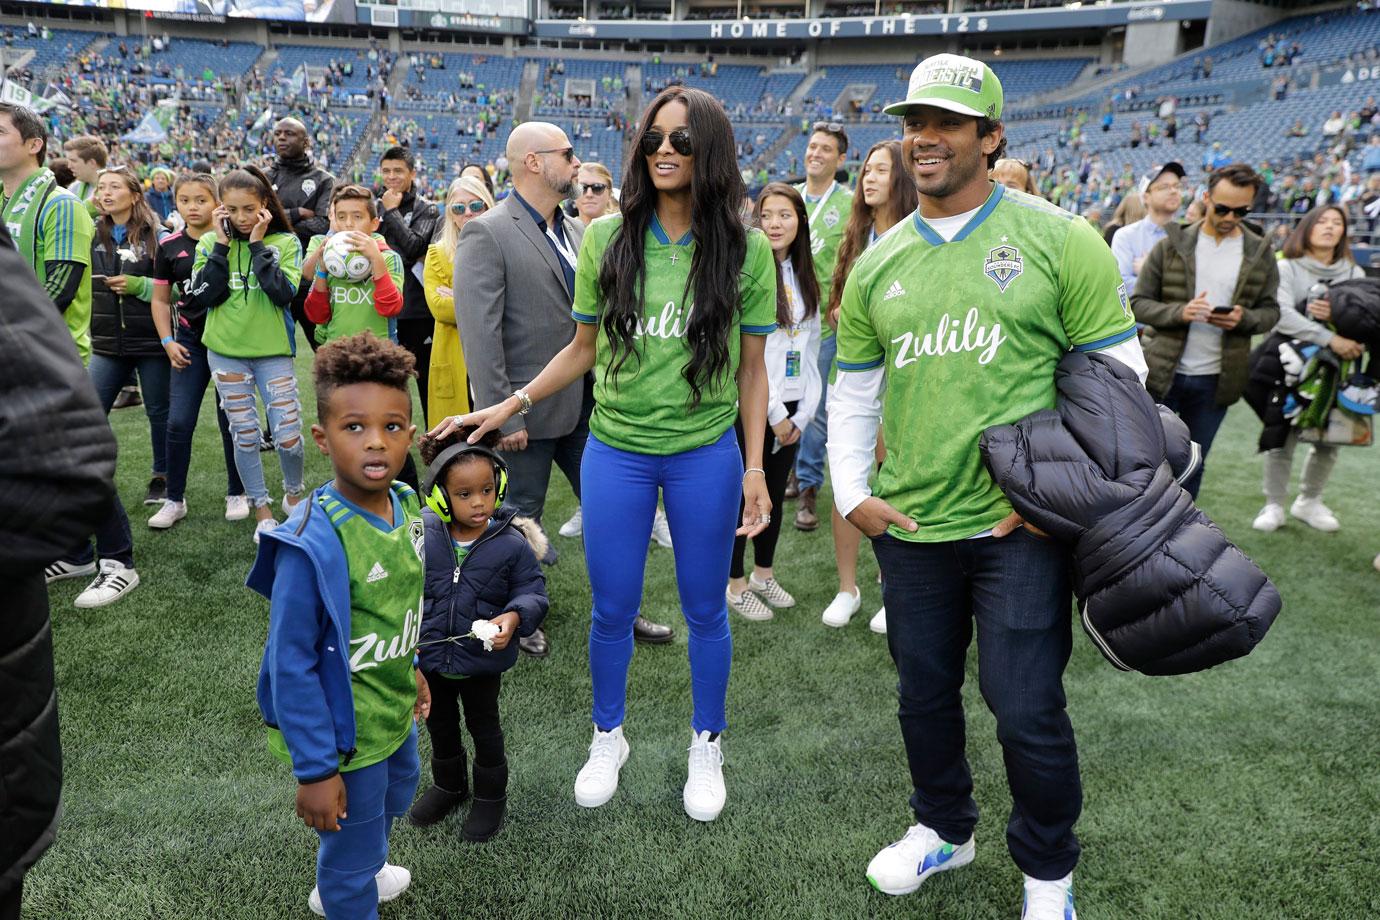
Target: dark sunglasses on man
column 1222, row 210
column 680, row 142
column 597, row 188
column 474, row 207
column 567, row 152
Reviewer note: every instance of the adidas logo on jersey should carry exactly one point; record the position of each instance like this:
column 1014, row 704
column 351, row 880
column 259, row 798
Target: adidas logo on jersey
column 377, row 573
column 894, row 291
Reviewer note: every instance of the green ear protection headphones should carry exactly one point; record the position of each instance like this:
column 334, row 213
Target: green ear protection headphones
column 433, row 485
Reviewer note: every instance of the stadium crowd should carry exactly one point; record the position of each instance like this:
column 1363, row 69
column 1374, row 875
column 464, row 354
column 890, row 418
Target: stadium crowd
column 190, row 263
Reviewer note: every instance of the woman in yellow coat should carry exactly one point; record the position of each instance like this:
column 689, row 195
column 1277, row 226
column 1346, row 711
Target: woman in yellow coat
column 448, row 389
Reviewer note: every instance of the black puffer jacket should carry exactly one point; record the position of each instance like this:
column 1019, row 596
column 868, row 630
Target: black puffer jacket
column 1160, row 588
column 122, row 324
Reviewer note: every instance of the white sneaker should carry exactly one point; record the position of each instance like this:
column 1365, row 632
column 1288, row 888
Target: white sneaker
column 661, row 531
column 288, row 506
column 842, row 608
column 236, row 507
column 261, row 526
column 1049, row 900
column 1377, row 562
column 391, row 880
column 1270, row 518
column 878, row 622
column 704, row 784
column 575, row 526
column 113, row 582
column 598, row 778
column 771, row 592
column 1315, row 514
column 168, row 515
column 901, row 867
column 60, row 571
column 748, row 605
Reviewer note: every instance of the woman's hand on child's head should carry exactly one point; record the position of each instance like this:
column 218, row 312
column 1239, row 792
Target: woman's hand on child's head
column 321, row 805
column 261, row 226
column 423, row 707
column 507, row 623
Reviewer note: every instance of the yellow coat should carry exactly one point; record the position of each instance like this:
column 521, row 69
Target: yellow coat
column 447, row 389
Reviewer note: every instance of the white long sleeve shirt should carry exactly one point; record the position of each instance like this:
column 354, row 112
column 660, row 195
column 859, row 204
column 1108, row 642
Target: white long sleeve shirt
column 792, row 359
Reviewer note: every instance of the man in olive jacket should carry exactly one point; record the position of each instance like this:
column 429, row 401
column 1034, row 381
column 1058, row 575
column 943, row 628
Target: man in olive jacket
column 1203, row 291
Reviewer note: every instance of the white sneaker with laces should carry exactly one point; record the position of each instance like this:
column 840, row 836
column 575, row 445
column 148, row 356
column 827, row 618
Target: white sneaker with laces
column 704, row 784
column 391, row 880
column 771, row 592
column 236, row 507
column 1270, row 518
column 61, row 571
column 289, row 505
column 1315, row 514
column 168, row 515
column 842, row 608
column 1049, row 900
column 748, row 605
column 575, row 526
column 661, row 531
column 878, row 622
column 113, row 581
column 261, row 526
column 901, row 867
column 597, row 780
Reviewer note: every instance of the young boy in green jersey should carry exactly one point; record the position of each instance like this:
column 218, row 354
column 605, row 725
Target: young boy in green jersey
column 341, row 307
column 343, row 575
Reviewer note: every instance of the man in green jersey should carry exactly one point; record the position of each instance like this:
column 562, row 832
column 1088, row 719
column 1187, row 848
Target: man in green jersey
column 829, row 204
column 963, row 312
column 49, row 225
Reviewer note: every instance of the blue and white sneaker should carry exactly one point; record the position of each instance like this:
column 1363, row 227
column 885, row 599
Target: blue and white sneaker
column 901, row 867
column 1049, row 900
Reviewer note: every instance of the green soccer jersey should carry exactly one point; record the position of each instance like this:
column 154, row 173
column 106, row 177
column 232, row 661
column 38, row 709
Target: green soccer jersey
column 247, row 324
column 352, row 302
column 645, row 409
column 384, row 563
column 968, row 333
column 828, row 217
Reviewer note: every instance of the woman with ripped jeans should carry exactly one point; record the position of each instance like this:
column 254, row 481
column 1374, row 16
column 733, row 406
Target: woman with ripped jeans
column 247, row 271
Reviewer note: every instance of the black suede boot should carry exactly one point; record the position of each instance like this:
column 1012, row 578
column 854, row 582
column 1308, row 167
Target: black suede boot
column 449, row 788
column 490, row 803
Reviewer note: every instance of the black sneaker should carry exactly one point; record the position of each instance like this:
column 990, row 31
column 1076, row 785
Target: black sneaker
column 265, row 441
column 158, row 491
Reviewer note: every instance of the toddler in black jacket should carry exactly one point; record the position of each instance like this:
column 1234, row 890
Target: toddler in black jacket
column 484, row 588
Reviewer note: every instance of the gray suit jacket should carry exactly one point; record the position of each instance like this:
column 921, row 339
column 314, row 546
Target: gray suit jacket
column 512, row 306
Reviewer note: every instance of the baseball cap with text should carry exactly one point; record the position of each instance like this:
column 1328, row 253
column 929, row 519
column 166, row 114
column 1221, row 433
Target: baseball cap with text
column 953, row 82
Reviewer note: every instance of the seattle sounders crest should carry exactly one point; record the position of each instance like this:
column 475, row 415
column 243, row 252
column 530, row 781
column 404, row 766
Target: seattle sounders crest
column 1003, row 265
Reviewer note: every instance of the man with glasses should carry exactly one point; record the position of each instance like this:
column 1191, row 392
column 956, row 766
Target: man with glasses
column 1132, row 243
column 1204, row 290
column 517, row 263
column 828, row 203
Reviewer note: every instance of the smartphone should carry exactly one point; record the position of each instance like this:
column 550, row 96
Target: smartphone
column 229, row 230
column 99, row 279
column 1222, row 309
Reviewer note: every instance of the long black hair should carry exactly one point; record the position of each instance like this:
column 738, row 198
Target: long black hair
column 252, row 179
column 716, row 189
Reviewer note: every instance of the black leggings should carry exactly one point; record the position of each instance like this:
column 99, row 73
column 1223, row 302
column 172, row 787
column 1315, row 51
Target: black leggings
column 479, row 696
column 778, row 466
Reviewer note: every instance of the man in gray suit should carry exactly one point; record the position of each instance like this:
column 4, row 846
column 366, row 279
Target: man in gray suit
column 515, row 281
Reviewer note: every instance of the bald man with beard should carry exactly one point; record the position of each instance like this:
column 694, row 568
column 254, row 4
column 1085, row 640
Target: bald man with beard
column 513, row 311
column 305, row 190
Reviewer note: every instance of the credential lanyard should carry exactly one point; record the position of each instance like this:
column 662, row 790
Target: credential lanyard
column 819, row 208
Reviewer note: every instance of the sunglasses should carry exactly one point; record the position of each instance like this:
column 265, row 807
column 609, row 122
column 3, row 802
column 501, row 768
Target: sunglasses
column 1222, row 210
column 597, row 188
column 680, row 142
column 832, row 127
column 567, row 152
column 474, row 207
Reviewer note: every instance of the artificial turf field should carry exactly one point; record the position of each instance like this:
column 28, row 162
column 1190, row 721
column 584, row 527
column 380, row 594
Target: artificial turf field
column 1251, row 791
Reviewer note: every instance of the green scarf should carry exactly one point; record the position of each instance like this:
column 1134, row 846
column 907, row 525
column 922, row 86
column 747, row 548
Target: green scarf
column 21, row 211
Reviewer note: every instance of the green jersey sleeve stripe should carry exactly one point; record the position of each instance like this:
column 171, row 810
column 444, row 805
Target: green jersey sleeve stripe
column 859, row 365
column 1107, row 342
column 583, row 317
column 759, row 330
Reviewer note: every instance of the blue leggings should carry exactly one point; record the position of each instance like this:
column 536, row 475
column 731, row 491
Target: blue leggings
column 701, row 489
column 350, row 857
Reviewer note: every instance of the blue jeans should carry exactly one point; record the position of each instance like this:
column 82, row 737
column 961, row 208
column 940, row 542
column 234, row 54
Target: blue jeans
column 188, row 390
column 1018, row 593
column 236, row 380
column 809, row 463
column 701, row 489
column 1194, row 399
column 349, row 858
column 110, row 374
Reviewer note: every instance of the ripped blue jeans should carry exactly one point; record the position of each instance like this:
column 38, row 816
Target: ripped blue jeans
column 236, row 381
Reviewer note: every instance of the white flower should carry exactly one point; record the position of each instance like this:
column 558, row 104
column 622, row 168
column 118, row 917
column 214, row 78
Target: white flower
column 484, row 631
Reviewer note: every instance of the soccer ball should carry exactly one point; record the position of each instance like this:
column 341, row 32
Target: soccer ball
column 340, row 261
